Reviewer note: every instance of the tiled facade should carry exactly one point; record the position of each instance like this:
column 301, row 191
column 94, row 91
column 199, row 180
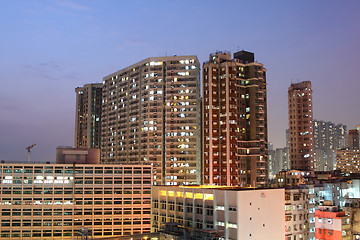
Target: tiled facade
column 88, row 116
column 235, row 147
column 54, row 201
column 151, row 114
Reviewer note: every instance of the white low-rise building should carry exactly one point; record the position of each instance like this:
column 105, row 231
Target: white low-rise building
column 238, row 213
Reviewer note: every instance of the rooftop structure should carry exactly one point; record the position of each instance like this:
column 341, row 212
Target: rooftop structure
column 70, row 155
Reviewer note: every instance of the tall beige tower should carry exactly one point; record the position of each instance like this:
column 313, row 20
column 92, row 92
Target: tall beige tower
column 235, row 146
column 88, row 116
column 301, row 126
column 151, row 114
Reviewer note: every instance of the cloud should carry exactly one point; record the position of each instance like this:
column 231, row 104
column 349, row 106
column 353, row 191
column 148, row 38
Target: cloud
column 52, row 70
column 10, row 108
column 133, row 41
column 136, row 41
column 74, row 5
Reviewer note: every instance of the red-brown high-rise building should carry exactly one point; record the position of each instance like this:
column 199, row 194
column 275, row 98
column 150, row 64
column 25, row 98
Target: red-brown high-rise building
column 301, row 126
column 235, row 147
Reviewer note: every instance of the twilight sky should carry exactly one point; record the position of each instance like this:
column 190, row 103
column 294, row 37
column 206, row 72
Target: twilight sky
column 50, row 47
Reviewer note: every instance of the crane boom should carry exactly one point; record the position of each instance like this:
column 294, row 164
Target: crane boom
column 28, row 149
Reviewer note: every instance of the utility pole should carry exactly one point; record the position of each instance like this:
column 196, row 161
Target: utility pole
column 28, row 149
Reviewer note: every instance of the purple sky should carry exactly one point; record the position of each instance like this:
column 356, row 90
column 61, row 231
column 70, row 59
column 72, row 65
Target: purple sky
column 50, row 47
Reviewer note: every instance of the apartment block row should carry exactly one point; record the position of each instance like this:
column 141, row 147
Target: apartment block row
column 328, row 138
column 152, row 113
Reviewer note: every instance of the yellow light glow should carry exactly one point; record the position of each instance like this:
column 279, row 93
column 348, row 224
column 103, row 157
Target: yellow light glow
column 198, row 196
column 189, row 195
column 179, row 194
column 170, row 193
column 208, row 196
column 162, row 193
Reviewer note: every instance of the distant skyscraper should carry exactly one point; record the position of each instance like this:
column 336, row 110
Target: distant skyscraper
column 281, row 160
column 151, row 114
column 328, row 138
column 88, row 116
column 354, row 139
column 301, row 126
column 340, row 137
column 272, row 161
column 235, row 147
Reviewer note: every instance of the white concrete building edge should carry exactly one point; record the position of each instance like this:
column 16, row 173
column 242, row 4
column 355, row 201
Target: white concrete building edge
column 260, row 214
column 237, row 213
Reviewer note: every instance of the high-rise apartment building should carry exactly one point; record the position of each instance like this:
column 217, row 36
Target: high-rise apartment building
column 88, row 116
column 328, row 138
column 151, row 114
column 340, row 138
column 301, row 126
column 235, row 147
column 272, row 164
column 354, row 139
column 281, row 160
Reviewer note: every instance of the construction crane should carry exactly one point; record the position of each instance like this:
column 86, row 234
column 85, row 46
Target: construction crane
column 28, row 149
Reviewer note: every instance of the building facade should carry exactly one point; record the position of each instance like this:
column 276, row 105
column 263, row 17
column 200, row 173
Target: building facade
column 88, row 116
column 352, row 209
column 55, row 201
column 235, row 145
column 354, row 139
column 332, row 224
column 272, row 164
column 301, row 126
column 348, row 160
column 281, row 160
column 151, row 114
column 300, row 213
column 328, row 138
column 236, row 213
